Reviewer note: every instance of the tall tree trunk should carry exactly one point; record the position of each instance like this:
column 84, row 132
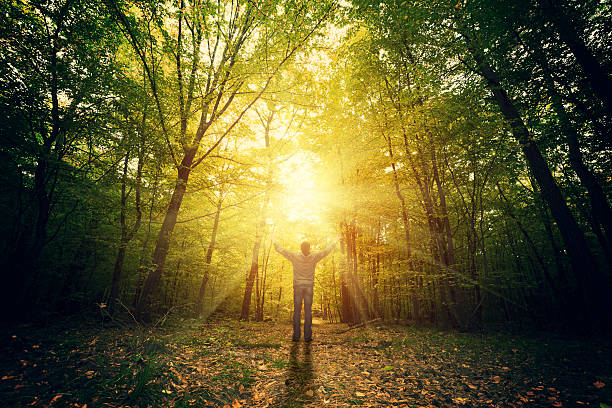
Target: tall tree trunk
column 450, row 247
column 584, row 266
column 248, row 290
column 345, row 294
column 456, row 292
column 440, row 253
column 208, row 259
column 25, row 259
column 172, row 293
column 400, row 197
column 375, row 296
column 261, row 297
column 162, row 245
column 143, row 262
column 599, row 202
column 246, row 300
column 594, row 71
column 531, row 244
column 126, row 233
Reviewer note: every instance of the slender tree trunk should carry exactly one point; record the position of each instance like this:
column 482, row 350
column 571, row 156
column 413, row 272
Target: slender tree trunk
column 337, row 301
column 456, row 292
column 208, row 259
column 345, row 295
column 599, row 202
column 400, row 197
column 246, row 300
column 248, row 290
column 587, row 273
column 375, row 296
column 126, row 233
column 449, row 301
column 280, row 297
column 160, row 253
column 542, row 264
column 360, row 301
column 594, row 71
column 259, row 315
column 450, row 247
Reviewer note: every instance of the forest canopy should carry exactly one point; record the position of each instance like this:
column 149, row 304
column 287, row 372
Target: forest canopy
column 458, row 151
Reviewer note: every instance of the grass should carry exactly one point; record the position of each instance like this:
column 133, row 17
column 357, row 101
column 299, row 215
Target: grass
column 203, row 365
column 234, row 372
column 279, row 364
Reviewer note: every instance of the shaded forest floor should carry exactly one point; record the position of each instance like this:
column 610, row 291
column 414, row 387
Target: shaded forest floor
column 239, row 364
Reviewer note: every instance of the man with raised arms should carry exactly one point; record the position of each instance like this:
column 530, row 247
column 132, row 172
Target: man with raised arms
column 303, row 281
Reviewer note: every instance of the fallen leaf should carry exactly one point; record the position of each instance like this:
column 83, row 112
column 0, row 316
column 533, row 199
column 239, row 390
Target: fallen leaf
column 359, row 394
column 599, row 384
column 496, row 379
column 309, row 393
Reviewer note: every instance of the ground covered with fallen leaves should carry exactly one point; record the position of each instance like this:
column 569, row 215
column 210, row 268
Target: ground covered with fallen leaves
column 225, row 363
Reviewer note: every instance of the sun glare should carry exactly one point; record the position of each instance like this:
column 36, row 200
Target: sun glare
column 304, row 198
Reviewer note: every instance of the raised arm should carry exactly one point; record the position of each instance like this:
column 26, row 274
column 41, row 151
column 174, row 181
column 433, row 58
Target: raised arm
column 322, row 254
column 283, row 252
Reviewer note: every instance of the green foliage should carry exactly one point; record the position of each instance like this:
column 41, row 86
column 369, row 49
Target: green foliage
column 381, row 119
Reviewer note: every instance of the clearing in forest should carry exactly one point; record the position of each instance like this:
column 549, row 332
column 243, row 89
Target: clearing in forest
column 240, row 364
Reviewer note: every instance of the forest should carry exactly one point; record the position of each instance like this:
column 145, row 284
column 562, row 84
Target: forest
column 458, row 152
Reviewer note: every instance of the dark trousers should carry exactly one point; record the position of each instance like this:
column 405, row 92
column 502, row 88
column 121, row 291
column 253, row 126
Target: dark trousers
column 302, row 293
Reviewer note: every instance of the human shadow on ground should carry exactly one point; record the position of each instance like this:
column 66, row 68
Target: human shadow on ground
column 299, row 382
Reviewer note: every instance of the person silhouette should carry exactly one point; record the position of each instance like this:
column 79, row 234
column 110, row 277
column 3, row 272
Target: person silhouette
column 304, row 264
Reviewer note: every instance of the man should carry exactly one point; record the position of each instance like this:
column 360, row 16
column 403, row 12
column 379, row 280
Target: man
column 303, row 281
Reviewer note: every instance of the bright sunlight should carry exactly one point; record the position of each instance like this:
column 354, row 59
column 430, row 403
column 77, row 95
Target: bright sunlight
column 305, row 197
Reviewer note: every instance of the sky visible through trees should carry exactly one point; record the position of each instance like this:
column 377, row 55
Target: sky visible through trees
column 458, row 152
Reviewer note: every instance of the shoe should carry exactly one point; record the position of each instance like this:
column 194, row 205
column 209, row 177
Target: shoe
column 294, row 339
column 307, row 340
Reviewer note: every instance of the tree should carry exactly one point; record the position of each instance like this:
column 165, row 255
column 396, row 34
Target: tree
column 237, row 36
column 58, row 72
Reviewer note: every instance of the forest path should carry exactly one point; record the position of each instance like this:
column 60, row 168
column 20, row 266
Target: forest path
column 386, row 365
column 255, row 364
